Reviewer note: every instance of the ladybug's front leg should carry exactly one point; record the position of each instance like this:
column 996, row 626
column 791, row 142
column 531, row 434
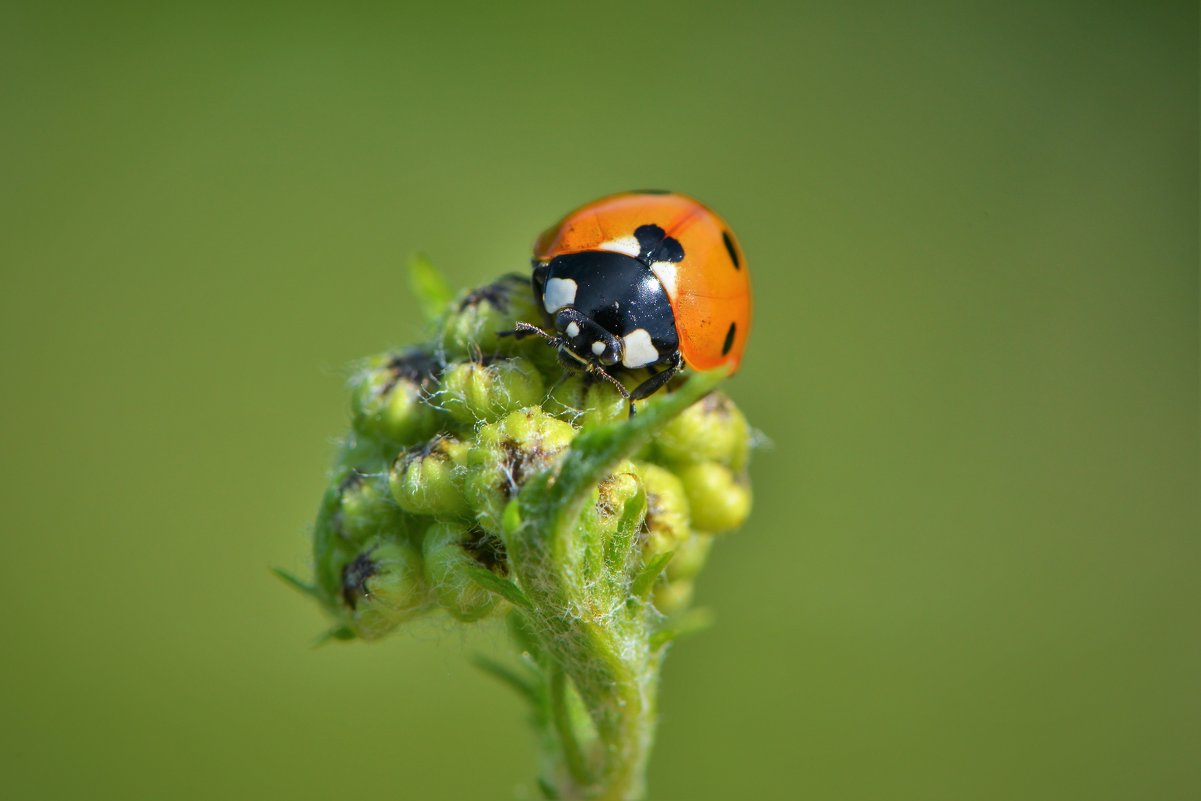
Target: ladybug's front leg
column 656, row 382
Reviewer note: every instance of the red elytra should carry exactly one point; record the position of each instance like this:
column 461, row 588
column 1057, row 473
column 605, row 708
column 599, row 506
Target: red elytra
column 708, row 288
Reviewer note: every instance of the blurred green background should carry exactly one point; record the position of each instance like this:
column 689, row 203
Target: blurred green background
column 972, row 572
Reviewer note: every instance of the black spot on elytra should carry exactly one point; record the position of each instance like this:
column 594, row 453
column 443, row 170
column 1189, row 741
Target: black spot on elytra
column 733, row 251
column 655, row 245
column 729, row 343
column 354, row 578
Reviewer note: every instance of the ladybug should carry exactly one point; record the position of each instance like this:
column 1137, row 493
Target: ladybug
column 642, row 280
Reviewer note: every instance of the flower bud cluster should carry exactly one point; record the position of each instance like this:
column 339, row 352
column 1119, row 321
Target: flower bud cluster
column 445, row 434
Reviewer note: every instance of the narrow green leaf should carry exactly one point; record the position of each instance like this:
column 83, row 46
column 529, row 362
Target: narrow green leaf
column 617, row 550
column 548, row 790
column 432, row 291
column 501, row 586
column 342, row 633
column 294, row 582
column 524, row 686
column 691, row 622
column 645, row 580
column 573, row 755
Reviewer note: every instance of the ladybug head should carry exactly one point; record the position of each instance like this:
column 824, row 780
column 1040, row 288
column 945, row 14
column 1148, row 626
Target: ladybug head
column 582, row 341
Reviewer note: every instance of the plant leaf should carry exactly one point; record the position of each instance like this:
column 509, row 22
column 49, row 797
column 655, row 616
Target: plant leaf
column 524, row 686
column 691, row 622
column 432, row 291
column 501, row 586
column 645, row 580
column 295, row 583
column 617, row 550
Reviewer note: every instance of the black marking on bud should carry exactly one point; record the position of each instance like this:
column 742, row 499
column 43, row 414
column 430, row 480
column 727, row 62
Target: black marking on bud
column 413, row 365
column 354, row 578
column 499, row 293
column 733, row 251
column 729, row 343
column 717, row 405
column 355, row 478
column 517, row 461
column 606, row 504
column 655, row 245
column 406, row 457
column 488, row 550
column 351, row 482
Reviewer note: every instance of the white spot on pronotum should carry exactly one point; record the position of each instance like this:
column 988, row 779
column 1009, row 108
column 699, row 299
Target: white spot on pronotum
column 626, row 244
column 665, row 271
column 573, row 330
column 598, row 347
column 559, row 292
column 639, row 352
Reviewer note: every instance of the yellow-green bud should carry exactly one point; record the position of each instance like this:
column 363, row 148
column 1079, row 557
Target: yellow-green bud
column 666, row 509
column 583, row 400
column 689, row 557
column 719, row 500
column 485, row 390
column 615, row 491
column 450, row 549
column 388, row 396
column 476, row 318
column 383, row 587
column 506, row 453
column 365, row 507
column 427, row 480
column 713, row 429
column 671, row 597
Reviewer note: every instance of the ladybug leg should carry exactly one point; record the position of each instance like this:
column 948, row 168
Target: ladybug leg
column 656, row 382
column 596, row 371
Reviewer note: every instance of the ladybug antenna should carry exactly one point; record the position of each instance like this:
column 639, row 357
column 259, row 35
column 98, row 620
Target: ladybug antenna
column 596, row 369
column 524, row 330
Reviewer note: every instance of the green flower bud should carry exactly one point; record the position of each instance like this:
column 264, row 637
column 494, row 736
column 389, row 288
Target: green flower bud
column 712, row 430
column 505, row 454
column 689, row 557
column 449, row 550
column 485, row 390
column 389, row 396
column 672, row 597
column 476, row 319
column 365, row 508
column 719, row 501
column 604, row 537
column 614, row 492
column 584, row 400
column 383, row 587
column 397, row 536
column 428, row 480
column 666, row 509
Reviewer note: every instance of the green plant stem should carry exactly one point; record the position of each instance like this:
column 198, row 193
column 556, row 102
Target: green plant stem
column 597, row 635
column 577, row 763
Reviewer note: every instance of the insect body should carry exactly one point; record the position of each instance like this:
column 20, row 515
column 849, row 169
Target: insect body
column 638, row 280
